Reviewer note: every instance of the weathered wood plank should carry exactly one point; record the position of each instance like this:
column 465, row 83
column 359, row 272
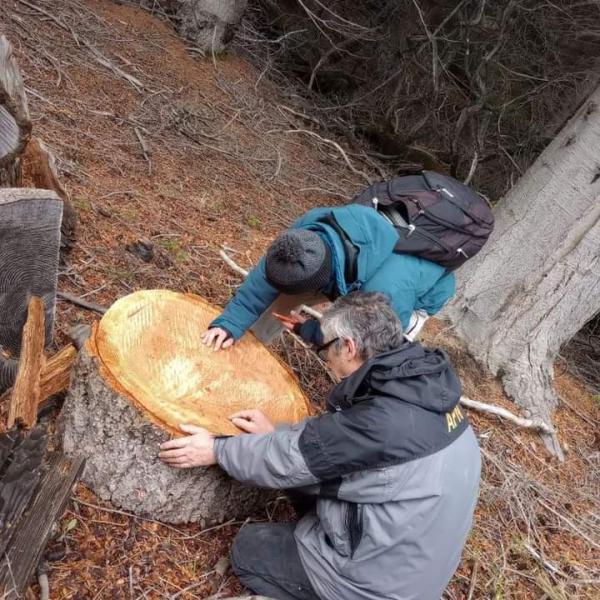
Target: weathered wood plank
column 15, row 123
column 19, row 481
column 25, row 396
column 35, row 528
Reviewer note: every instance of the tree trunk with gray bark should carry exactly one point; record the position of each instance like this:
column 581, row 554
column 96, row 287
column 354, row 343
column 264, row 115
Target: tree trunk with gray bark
column 537, row 282
column 209, row 24
column 15, row 124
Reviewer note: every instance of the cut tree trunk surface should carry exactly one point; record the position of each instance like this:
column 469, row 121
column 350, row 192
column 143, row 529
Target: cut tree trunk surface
column 144, row 372
column 29, row 245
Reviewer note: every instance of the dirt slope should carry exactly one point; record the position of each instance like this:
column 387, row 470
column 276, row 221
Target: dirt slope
column 225, row 164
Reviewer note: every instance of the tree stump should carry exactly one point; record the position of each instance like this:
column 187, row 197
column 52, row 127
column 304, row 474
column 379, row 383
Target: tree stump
column 15, row 124
column 143, row 372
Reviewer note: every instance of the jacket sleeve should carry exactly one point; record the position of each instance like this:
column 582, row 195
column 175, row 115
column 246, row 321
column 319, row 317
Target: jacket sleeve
column 271, row 460
column 434, row 299
column 403, row 300
column 252, row 298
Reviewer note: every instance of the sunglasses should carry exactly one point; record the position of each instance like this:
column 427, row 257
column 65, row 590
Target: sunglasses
column 321, row 351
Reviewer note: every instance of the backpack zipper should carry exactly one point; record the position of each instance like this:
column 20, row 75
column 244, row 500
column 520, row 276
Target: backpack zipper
column 444, row 223
column 451, row 197
column 430, row 237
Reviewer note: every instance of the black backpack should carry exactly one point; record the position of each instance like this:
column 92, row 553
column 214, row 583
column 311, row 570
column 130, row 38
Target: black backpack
column 436, row 216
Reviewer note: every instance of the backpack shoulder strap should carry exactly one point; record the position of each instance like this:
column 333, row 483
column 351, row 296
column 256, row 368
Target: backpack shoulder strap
column 350, row 250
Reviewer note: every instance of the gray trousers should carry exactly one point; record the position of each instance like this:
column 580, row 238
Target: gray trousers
column 265, row 558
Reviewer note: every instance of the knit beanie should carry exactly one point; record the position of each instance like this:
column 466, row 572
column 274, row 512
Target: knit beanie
column 298, row 261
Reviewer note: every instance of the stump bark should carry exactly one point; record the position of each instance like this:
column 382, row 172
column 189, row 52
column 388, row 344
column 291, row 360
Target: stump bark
column 143, row 372
column 15, row 123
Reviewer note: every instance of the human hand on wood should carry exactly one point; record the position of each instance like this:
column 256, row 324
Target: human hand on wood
column 252, row 421
column 218, row 338
column 290, row 321
column 195, row 450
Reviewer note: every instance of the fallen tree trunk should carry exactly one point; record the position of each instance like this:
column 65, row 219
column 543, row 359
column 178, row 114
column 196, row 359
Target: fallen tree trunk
column 143, row 372
column 15, row 124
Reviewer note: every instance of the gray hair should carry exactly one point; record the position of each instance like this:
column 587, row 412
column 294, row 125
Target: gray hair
column 368, row 319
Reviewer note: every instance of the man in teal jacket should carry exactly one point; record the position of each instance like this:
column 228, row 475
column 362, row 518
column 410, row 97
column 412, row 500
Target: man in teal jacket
column 334, row 251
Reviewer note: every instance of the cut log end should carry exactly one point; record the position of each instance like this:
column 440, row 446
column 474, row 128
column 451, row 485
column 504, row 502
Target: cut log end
column 150, row 352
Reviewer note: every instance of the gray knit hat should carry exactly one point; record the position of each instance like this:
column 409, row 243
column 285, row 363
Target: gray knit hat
column 298, row 261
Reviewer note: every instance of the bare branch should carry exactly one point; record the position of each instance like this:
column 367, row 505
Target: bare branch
column 499, row 411
column 356, row 171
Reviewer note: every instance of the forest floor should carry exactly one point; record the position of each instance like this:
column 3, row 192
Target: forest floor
column 156, row 142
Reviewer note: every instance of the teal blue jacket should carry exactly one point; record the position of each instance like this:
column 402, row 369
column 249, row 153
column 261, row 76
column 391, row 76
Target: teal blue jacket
column 410, row 282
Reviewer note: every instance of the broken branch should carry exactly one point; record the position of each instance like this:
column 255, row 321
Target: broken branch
column 25, row 397
column 80, row 302
column 492, row 409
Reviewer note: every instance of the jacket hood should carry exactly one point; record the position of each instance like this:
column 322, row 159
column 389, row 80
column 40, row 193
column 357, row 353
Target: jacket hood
column 411, row 374
column 372, row 235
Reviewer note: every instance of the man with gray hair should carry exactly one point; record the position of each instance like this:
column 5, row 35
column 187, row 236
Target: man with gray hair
column 393, row 466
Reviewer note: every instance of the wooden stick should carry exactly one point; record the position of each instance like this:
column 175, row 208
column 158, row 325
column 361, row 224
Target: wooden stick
column 81, row 302
column 499, row 411
column 232, row 264
column 310, row 311
column 473, row 579
column 145, row 149
column 26, row 391
column 338, row 148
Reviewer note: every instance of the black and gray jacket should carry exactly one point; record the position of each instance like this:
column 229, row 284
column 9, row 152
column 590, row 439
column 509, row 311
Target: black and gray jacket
column 395, row 466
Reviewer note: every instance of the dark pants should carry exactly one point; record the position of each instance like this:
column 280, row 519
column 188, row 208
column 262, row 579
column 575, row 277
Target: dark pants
column 265, row 558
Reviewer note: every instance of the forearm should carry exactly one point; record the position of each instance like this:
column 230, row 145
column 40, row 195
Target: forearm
column 270, row 460
column 251, row 300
